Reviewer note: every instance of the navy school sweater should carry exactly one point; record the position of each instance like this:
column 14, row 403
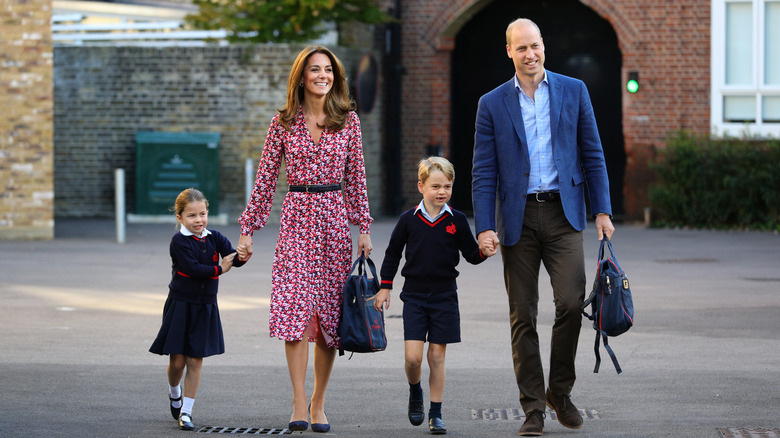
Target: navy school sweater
column 196, row 267
column 432, row 251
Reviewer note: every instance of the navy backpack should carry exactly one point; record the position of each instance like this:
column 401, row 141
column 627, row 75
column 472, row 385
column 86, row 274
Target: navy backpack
column 611, row 305
column 362, row 328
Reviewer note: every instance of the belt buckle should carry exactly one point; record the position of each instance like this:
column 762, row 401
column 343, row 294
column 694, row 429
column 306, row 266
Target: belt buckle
column 536, row 195
column 307, row 187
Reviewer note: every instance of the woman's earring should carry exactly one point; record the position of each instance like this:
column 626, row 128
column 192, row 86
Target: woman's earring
column 301, row 85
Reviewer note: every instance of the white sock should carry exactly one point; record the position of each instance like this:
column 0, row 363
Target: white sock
column 187, row 406
column 175, row 392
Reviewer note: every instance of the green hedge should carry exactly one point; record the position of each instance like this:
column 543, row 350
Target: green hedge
column 707, row 182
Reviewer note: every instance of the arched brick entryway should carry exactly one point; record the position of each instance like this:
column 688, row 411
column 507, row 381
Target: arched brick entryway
column 578, row 43
column 446, row 42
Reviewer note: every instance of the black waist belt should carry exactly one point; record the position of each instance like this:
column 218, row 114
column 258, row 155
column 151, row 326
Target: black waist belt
column 315, row 188
column 544, row 196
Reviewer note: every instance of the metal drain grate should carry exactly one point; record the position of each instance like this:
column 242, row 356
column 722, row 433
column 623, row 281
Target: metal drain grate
column 244, row 430
column 517, row 414
column 748, row 432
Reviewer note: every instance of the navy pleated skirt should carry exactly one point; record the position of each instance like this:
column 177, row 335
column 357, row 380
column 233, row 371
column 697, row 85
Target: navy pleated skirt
column 191, row 329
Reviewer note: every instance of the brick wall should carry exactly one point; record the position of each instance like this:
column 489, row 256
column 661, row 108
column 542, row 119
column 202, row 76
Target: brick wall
column 673, row 95
column 26, row 120
column 104, row 95
column 666, row 42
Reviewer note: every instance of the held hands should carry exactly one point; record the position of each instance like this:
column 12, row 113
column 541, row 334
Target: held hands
column 488, row 243
column 227, row 262
column 604, row 226
column 244, row 248
column 382, row 297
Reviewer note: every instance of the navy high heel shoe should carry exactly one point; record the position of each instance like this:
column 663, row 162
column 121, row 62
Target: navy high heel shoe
column 298, row 426
column 319, row 427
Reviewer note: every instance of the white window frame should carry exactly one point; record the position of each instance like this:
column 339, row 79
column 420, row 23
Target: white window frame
column 719, row 89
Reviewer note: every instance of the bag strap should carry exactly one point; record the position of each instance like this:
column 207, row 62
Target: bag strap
column 372, row 267
column 612, row 254
column 606, row 241
column 587, row 303
column 361, row 262
column 600, row 334
column 593, row 292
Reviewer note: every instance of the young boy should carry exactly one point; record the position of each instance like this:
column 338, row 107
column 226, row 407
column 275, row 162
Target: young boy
column 433, row 234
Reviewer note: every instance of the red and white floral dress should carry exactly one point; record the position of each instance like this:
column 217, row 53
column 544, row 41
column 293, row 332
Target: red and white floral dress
column 314, row 250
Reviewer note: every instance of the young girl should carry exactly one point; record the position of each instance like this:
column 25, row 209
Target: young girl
column 433, row 234
column 191, row 328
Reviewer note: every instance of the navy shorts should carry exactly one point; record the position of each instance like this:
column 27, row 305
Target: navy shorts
column 432, row 317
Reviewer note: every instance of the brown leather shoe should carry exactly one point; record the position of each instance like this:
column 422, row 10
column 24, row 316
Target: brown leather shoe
column 534, row 423
column 568, row 414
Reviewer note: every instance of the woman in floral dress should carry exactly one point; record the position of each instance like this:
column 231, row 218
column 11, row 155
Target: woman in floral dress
column 318, row 135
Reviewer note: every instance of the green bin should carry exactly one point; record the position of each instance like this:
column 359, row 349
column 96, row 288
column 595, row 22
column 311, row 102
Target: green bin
column 168, row 162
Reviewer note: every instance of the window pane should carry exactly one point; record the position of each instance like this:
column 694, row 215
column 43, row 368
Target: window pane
column 739, row 108
column 772, row 109
column 772, row 55
column 739, row 43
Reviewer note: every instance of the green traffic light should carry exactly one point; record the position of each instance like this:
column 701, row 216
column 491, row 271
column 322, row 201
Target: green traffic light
column 632, row 86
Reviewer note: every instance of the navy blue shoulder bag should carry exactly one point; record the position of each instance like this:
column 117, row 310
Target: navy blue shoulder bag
column 362, row 328
column 611, row 305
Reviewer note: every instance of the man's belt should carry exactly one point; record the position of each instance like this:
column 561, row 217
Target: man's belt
column 544, row 196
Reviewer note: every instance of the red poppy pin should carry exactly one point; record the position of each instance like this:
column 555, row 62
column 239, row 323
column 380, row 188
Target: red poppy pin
column 451, row 228
column 216, row 256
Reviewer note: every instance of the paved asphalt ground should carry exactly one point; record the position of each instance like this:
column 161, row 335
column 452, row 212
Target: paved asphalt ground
column 80, row 312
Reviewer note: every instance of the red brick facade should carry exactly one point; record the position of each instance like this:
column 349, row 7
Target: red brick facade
column 667, row 43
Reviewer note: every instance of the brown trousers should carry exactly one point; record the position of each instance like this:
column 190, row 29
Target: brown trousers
column 547, row 237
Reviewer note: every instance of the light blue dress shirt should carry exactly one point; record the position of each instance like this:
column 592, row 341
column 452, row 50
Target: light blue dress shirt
column 543, row 176
column 445, row 209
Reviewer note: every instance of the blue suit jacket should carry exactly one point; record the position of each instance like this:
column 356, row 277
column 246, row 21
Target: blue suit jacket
column 501, row 158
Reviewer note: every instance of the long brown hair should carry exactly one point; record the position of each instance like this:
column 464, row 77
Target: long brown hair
column 337, row 103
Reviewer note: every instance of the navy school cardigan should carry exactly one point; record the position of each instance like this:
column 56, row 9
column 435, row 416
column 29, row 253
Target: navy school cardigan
column 195, row 266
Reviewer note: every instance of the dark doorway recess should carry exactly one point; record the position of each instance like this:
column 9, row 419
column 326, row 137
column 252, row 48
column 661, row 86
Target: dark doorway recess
column 578, row 43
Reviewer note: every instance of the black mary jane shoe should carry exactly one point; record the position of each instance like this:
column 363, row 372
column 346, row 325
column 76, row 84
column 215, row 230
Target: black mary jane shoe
column 175, row 411
column 185, row 422
column 436, row 426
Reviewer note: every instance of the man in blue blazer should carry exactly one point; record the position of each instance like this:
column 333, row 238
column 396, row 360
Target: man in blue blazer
column 536, row 149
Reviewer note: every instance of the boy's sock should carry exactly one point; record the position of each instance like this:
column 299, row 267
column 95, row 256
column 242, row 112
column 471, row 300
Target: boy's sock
column 435, row 411
column 187, row 406
column 415, row 391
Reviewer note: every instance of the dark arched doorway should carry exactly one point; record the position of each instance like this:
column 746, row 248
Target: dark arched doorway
column 578, row 43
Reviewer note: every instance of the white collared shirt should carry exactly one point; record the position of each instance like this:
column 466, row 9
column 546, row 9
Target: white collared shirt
column 444, row 210
column 187, row 232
